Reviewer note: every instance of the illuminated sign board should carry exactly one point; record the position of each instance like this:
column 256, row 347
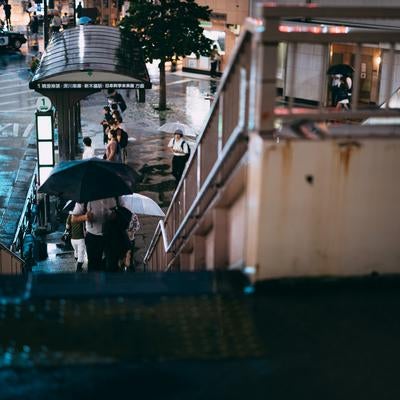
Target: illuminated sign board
column 92, row 85
column 45, row 144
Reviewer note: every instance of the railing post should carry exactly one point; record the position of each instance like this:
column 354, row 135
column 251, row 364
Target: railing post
column 263, row 77
column 261, row 124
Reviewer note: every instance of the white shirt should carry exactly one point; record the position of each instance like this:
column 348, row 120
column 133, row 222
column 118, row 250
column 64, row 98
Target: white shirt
column 88, row 152
column 101, row 210
column 177, row 147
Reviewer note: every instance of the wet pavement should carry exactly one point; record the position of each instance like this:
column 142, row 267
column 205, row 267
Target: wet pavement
column 188, row 99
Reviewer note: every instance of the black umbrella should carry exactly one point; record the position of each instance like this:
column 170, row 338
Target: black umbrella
column 340, row 69
column 91, row 179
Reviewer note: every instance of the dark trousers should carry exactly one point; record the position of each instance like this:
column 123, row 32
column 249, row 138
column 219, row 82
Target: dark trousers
column 94, row 249
column 214, row 65
column 178, row 165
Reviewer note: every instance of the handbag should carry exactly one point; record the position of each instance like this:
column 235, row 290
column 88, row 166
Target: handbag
column 66, row 236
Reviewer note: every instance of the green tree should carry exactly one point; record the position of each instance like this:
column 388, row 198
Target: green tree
column 166, row 30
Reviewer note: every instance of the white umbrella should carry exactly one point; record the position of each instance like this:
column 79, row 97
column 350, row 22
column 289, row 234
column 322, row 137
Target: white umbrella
column 141, row 205
column 172, row 127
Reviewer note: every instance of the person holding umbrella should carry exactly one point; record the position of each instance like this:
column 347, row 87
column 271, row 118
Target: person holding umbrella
column 339, row 71
column 181, row 152
column 95, row 185
column 94, row 214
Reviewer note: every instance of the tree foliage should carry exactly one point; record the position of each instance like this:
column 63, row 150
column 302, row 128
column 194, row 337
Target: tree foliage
column 168, row 28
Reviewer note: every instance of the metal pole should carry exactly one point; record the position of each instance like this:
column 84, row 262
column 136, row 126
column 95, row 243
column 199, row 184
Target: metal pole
column 45, row 24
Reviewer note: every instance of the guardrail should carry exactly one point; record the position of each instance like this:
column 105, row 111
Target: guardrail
column 25, row 226
column 247, row 102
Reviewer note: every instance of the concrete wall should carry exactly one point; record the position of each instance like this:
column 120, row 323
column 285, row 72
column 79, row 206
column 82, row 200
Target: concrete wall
column 237, row 231
column 324, row 208
column 236, row 10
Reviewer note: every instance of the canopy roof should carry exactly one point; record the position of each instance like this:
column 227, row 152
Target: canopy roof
column 91, row 57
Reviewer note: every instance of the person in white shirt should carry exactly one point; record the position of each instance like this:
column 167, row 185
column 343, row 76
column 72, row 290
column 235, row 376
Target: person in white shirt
column 65, row 21
column 94, row 214
column 56, row 23
column 88, row 151
column 181, row 152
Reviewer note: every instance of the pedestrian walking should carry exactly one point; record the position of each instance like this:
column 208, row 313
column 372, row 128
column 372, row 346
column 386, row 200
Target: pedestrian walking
column 88, row 151
column 128, row 261
column 34, row 28
column 56, row 23
column 65, row 21
column 7, row 14
column 122, row 138
column 77, row 241
column 114, row 97
column 113, row 150
column 181, row 152
column 215, row 58
column 78, row 10
column 107, row 117
column 335, row 83
column 94, row 214
column 116, row 237
column 342, row 95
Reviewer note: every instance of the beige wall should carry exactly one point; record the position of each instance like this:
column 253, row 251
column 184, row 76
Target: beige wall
column 236, row 231
column 209, row 248
column 235, row 10
column 345, row 222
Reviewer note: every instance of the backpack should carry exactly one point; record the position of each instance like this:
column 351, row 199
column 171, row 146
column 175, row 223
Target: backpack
column 123, row 142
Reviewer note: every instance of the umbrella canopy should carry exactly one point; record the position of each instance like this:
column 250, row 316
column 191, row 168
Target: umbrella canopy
column 340, row 69
column 172, row 127
column 85, row 20
column 69, row 205
column 91, row 179
column 141, row 205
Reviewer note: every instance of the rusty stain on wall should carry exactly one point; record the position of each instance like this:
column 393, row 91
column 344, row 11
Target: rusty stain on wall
column 346, row 150
column 287, row 157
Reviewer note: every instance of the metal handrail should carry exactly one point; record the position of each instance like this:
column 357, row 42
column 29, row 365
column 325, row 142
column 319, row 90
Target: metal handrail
column 21, row 226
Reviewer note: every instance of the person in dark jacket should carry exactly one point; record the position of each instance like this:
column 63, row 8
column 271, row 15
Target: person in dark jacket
column 34, row 27
column 7, row 13
column 342, row 95
column 79, row 10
